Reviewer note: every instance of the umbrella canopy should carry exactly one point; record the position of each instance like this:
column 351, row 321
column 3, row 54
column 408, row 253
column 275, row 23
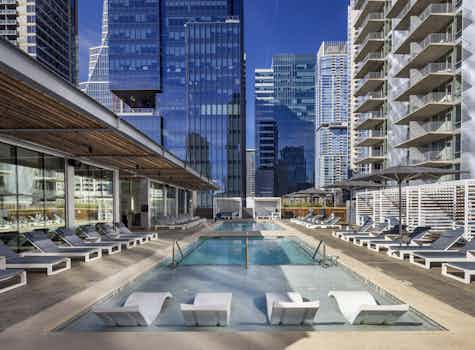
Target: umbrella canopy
column 404, row 173
column 309, row 192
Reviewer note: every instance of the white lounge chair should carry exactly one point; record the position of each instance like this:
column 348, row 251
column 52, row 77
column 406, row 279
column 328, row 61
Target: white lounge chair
column 459, row 271
column 10, row 279
column 140, row 309
column 51, row 264
column 69, row 237
column 208, row 309
column 124, row 230
column 360, row 307
column 290, row 309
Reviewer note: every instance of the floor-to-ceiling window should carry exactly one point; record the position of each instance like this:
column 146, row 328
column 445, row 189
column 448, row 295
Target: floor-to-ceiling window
column 31, row 192
column 181, row 202
column 171, row 201
column 93, row 195
column 157, row 202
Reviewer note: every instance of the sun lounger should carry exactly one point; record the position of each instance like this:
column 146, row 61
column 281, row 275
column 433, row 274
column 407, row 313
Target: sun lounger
column 109, row 231
column 362, row 240
column 416, row 235
column 140, row 309
column 124, row 230
column 51, row 264
column 47, row 248
column 10, row 278
column 90, row 231
column 331, row 223
column 69, row 237
column 460, row 271
column 208, row 309
column 444, row 242
column 360, row 307
column 431, row 259
column 290, row 309
column 365, row 227
column 374, row 232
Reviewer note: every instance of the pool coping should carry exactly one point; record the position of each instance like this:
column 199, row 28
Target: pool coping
column 37, row 328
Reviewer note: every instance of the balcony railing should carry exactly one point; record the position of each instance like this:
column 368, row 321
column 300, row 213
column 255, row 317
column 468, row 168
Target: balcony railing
column 370, row 115
column 432, row 156
column 373, row 16
column 8, row 12
column 370, row 36
column 370, row 96
column 8, row 2
column 417, row 75
column 369, row 76
column 432, row 126
column 416, row 102
column 434, row 38
column 430, row 10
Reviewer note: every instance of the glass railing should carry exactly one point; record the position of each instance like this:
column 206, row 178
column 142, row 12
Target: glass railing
column 434, row 38
column 370, row 134
column 370, row 17
column 370, row 36
column 370, row 115
column 432, row 156
column 369, row 76
column 370, row 96
column 418, row 74
column 418, row 101
column 431, row 9
column 370, row 56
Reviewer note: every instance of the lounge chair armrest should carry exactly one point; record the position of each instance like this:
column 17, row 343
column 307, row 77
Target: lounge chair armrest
column 3, row 263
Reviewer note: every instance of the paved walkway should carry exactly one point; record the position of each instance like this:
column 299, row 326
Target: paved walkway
column 431, row 282
column 42, row 292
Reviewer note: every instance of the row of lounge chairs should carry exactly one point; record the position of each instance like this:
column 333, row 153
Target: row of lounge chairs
column 53, row 259
column 183, row 222
column 423, row 248
column 313, row 221
column 214, row 309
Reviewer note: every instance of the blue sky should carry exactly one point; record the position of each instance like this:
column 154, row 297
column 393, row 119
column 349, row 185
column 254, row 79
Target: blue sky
column 271, row 27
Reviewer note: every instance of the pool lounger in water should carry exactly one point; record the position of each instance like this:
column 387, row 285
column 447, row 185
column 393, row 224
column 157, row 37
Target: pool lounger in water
column 290, row 309
column 140, row 309
column 208, row 309
column 360, row 307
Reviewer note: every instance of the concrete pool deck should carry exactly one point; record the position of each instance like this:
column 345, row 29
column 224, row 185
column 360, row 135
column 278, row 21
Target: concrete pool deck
column 47, row 307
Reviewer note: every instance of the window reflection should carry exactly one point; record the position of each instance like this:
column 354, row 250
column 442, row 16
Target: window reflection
column 171, row 201
column 157, row 203
column 93, row 195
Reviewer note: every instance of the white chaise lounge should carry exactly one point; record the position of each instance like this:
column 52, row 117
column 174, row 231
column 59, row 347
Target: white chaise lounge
column 208, row 309
column 290, row 309
column 360, row 307
column 460, row 271
column 140, row 309
column 10, row 279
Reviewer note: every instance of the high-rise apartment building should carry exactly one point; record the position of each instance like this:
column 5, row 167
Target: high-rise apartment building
column 414, row 87
column 285, row 135
column 46, row 30
column 251, row 172
column 332, row 113
column 176, row 71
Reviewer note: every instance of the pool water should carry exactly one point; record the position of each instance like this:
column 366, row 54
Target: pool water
column 261, row 251
column 247, row 226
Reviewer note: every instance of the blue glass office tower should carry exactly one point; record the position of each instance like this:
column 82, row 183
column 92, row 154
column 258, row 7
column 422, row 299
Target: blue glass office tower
column 185, row 59
column 332, row 113
column 285, row 122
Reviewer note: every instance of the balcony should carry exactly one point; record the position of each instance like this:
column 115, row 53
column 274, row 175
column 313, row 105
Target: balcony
column 433, row 19
column 374, row 156
column 374, row 22
column 372, row 81
column 411, row 8
column 6, row 12
column 8, row 32
column 438, row 159
column 370, row 102
column 428, row 133
column 370, row 120
column 372, row 138
column 367, row 7
column 373, row 61
column 421, row 107
column 373, row 42
column 427, row 79
column 8, row 22
column 430, row 49
column 396, row 7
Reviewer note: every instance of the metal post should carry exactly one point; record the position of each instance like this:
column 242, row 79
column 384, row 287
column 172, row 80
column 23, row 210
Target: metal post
column 400, row 210
column 247, row 252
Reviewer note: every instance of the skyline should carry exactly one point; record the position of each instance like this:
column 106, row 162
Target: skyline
column 261, row 26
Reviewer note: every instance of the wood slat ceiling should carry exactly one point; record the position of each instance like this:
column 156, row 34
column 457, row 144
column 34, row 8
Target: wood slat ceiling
column 45, row 122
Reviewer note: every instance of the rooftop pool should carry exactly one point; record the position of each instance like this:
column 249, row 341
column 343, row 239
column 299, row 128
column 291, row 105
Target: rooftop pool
column 246, row 226
column 276, row 265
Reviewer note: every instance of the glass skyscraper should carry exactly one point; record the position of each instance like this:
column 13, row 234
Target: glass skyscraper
column 285, row 122
column 46, row 29
column 332, row 113
column 177, row 68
